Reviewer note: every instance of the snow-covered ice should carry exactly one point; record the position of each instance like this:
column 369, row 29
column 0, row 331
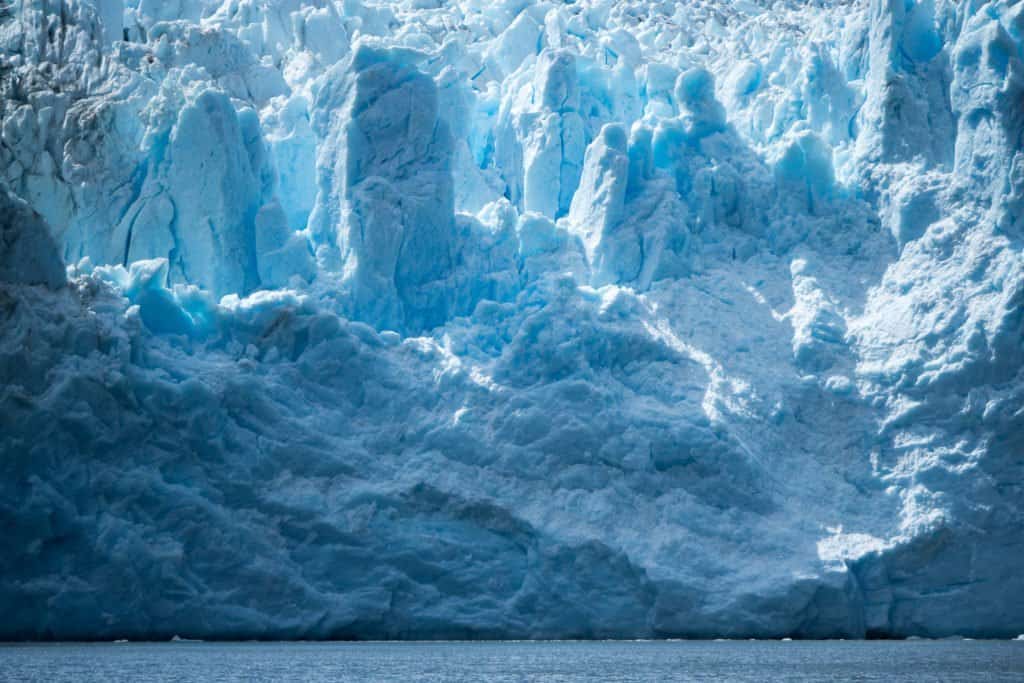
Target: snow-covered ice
column 511, row 318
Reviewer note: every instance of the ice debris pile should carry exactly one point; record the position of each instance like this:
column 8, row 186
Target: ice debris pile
column 500, row 318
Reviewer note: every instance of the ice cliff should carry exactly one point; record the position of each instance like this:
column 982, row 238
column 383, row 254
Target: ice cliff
column 511, row 318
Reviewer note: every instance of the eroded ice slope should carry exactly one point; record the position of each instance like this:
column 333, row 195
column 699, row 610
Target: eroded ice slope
column 513, row 319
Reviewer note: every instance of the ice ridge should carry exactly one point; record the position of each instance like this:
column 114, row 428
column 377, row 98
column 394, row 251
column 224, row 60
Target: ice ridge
column 511, row 318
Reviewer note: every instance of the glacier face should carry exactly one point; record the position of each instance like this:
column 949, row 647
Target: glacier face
column 511, row 318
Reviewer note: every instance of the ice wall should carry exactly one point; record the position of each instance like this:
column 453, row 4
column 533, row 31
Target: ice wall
column 386, row 200
column 511, row 319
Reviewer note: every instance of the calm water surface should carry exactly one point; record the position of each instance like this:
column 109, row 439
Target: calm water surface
column 532, row 661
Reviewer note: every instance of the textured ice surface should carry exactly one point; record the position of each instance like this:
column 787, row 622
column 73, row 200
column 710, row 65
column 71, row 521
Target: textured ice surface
column 512, row 319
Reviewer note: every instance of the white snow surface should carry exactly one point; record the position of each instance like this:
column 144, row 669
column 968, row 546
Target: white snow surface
column 511, row 318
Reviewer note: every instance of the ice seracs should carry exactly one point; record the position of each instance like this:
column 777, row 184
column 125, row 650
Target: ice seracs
column 511, row 319
column 386, row 197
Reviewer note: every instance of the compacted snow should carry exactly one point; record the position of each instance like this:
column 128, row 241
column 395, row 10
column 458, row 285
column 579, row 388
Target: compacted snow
column 500, row 318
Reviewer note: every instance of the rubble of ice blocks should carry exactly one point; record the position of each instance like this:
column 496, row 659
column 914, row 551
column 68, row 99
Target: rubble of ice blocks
column 511, row 319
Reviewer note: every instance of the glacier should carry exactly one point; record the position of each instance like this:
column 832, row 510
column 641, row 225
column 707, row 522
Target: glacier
column 511, row 318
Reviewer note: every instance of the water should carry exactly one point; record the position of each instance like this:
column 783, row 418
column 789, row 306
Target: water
column 552, row 662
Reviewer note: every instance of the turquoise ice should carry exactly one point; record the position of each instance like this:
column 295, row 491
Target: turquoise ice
column 511, row 319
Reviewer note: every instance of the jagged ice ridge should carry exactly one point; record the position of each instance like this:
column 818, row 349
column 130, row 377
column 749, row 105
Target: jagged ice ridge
column 510, row 318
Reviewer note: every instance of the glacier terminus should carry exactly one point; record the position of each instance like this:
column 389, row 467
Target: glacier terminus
column 511, row 319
